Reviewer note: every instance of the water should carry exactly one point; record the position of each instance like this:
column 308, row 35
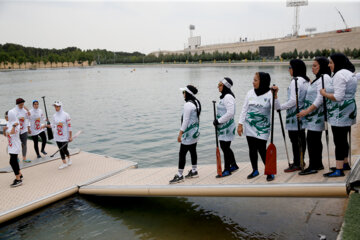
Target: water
column 135, row 115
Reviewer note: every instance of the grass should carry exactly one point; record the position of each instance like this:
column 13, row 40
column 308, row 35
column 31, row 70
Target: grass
column 352, row 218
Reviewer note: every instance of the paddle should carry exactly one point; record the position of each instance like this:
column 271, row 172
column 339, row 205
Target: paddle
column 350, row 147
column 49, row 130
column 270, row 162
column 325, row 122
column 218, row 156
column 299, row 128
column 283, row 133
column 73, row 138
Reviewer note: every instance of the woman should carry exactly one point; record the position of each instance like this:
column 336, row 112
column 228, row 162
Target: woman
column 256, row 114
column 14, row 146
column 297, row 70
column 23, row 114
column 36, row 129
column 226, row 125
column 314, row 115
column 188, row 134
column 61, row 125
column 341, row 108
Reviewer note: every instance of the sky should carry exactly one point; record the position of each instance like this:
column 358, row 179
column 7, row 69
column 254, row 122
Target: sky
column 148, row 26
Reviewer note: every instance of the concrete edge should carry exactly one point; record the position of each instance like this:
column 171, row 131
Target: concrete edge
column 246, row 190
column 36, row 204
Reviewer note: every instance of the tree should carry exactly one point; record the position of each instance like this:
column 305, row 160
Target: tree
column 301, row 55
column 295, row 54
column 306, row 54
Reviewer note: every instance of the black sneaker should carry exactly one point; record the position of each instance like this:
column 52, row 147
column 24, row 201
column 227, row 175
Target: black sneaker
column 270, row 177
column 39, row 156
column 16, row 183
column 308, row 171
column 177, row 179
column 43, row 152
column 192, row 174
column 21, row 177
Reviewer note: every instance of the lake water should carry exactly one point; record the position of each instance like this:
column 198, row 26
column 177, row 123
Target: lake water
column 134, row 114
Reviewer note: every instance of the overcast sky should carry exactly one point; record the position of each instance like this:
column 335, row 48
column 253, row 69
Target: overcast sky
column 148, row 26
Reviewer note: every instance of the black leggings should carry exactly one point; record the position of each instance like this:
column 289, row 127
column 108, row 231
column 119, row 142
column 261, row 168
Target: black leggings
column 229, row 157
column 293, row 135
column 315, row 149
column 14, row 163
column 341, row 142
column 256, row 146
column 36, row 140
column 63, row 151
column 182, row 154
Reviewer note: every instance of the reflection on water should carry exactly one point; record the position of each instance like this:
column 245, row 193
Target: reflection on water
column 180, row 218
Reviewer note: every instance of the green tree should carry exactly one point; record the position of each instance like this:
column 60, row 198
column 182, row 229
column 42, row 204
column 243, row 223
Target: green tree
column 306, row 54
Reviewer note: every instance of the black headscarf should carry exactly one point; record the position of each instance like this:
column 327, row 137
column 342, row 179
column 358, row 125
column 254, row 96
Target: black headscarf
column 227, row 90
column 341, row 62
column 299, row 69
column 193, row 99
column 324, row 67
column 264, row 86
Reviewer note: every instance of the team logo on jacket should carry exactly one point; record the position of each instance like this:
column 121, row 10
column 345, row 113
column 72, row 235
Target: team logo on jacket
column 60, row 129
column 21, row 120
column 37, row 124
column 9, row 140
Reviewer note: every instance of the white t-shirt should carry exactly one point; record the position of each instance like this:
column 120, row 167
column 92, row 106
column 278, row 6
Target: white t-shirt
column 61, row 125
column 14, row 143
column 36, row 117
column 22, row 116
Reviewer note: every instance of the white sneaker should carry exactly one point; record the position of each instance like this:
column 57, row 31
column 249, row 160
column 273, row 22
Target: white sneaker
column 62, row 166
column 69, row 162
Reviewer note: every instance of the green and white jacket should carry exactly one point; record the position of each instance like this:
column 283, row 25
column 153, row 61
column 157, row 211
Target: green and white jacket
column 342, row 113
column 255, row 115
column 225, row 115
column 290, row 105
column 190, row 124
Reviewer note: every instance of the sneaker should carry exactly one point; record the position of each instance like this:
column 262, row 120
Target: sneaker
column 69, row 162
column 270, row 177
column 253, row 174
column 177, row 179
column 292, row 168
column 21, row 177
column 234, row 168
column 38, row 156
column 192, row 174
column 43, row 152
column 225, row 173
column 16, row 183
column 27, row 160
column 346, row 167
column 308, row 171
column 336, row 173
column 62, row 166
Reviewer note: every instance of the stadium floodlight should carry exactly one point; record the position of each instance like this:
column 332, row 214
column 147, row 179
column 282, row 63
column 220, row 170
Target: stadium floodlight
column 296, row 4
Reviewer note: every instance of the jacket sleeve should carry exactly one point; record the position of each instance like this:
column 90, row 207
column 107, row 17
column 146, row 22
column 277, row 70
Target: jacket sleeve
column 186, row 116
column 292, row 100
column 229, row 102
column 244, row 110
column 339, row 86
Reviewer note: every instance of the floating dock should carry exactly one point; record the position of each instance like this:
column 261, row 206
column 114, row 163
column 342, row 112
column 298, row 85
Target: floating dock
column 94, row 174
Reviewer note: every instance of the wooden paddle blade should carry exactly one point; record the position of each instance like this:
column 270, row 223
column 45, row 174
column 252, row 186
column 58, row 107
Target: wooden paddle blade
column 270, row 162
column 218, row 162
column 50, row 133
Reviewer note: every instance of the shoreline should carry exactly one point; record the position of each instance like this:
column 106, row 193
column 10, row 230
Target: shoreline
column 177, row 65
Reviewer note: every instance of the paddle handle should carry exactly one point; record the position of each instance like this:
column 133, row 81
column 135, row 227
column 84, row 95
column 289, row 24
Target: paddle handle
column 49, row 130
column 298, row 125
column 216, row 133
column 272, row 115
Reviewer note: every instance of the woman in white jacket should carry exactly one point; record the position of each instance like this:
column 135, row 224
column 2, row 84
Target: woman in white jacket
column 226, row 125
column 188, row 134
column 14, row 146
column 255, row 116
column 37, row 129
column 297, row 70
column 342, row 108
column 61, row 125
column 313, row 115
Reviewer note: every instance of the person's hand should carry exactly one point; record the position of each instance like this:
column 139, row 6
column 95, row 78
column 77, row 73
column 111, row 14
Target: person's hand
column 15, row 124
column 70, row 139
column 240, row 129
column 28, row 113
column 275, row 89
column 179, row 138
column 323, row 92
column 216, row 122
column 29, row 131
column 301, row 114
